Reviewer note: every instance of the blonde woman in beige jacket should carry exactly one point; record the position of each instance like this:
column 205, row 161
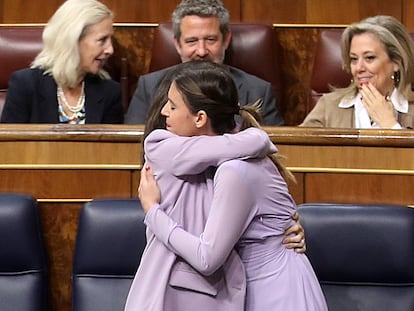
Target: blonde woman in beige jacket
column 379, row 53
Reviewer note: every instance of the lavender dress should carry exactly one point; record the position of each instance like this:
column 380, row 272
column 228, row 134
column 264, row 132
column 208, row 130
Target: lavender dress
column 164, row 282
column 250, row 211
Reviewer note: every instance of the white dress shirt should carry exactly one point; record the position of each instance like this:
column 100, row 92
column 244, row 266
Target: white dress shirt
column 362, row 119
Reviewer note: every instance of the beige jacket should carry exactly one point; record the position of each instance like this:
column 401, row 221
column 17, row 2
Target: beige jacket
column 326, row 113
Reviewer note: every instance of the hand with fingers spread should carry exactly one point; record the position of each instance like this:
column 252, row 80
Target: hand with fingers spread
column 379, row 107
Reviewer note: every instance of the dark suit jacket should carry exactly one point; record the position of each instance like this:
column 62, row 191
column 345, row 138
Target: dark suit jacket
column 31, row 98
column 250, row 87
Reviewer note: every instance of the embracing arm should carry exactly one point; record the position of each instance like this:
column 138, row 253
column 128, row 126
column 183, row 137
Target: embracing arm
column 228, row 218
column 193, row 155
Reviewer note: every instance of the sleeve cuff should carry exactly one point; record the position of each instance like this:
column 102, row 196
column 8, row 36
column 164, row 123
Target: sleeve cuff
column 160, row 223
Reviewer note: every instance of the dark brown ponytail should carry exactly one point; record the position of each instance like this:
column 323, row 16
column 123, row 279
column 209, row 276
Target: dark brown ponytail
column 251, row 117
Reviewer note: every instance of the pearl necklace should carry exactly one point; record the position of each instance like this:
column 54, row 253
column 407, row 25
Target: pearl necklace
column 81, row 100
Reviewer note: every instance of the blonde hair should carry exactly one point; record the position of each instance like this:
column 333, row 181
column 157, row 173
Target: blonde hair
column 60, row 55
column 398, row 45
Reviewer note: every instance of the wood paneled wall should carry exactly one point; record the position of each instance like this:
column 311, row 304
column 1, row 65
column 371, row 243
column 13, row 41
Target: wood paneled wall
column 268, row 11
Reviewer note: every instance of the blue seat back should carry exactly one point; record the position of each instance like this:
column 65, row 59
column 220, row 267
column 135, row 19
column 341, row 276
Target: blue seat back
column 23, row 260
column 109, row 245
column 362, row 254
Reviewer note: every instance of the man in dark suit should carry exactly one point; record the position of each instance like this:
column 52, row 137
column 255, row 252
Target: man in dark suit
column 201, row 32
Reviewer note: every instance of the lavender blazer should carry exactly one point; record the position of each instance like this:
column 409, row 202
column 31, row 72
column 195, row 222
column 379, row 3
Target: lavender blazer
column 163, row 281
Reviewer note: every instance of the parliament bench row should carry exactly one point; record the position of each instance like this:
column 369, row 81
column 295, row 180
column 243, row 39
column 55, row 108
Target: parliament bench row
column 255, row 48
column 361, row 253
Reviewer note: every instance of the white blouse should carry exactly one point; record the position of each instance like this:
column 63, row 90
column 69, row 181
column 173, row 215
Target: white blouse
column 362, row 119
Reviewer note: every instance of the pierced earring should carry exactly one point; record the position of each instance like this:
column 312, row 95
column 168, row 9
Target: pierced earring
column 396, row 77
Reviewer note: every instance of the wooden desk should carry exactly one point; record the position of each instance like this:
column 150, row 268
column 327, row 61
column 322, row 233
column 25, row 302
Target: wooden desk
column 349, row 166
column 65, row 166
